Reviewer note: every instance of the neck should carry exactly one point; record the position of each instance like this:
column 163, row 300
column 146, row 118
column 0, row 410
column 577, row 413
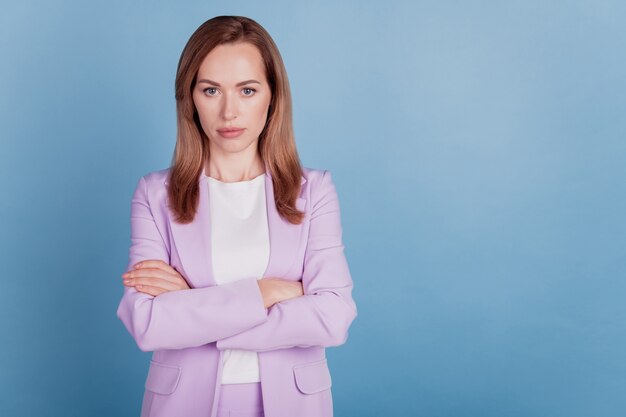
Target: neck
column 234, row 167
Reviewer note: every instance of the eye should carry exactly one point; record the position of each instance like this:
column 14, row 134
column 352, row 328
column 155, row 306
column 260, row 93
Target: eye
column 251, row 90
column 209, row 91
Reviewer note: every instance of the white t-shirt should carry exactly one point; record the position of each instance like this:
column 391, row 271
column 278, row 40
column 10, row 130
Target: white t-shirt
column 240, row 249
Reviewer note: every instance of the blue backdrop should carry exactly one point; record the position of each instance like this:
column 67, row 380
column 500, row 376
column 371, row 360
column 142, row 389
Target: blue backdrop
column 478, row 149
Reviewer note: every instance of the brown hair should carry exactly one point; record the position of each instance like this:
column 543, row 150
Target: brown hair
column 277, row 145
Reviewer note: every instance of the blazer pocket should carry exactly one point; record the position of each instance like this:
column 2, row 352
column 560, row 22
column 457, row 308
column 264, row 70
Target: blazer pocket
column 312, row 377
column 162, row 378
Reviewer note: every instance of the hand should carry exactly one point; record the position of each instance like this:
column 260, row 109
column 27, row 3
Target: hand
column 275, row 290
column 154, row 277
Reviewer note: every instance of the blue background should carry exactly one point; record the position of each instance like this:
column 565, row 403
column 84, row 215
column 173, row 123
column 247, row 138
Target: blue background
column 479, row 153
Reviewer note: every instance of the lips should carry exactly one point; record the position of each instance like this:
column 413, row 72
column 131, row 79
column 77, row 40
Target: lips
column 229, row 129
column 230, row 132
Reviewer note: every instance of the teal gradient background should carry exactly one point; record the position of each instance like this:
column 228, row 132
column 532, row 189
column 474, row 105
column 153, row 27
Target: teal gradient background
column 479, row 153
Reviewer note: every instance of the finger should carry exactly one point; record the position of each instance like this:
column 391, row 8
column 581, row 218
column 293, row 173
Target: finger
column 148, row 289
column 155, row 282
column 154, row 273
column 155, row 263
column 158, row 268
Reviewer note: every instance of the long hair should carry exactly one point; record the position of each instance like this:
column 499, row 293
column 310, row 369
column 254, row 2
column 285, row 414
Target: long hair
column 276, row 144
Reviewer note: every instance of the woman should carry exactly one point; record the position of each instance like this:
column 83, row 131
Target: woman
column 237, row 280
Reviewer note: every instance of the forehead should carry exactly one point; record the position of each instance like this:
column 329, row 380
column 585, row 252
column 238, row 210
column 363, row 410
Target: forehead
column 232, row 62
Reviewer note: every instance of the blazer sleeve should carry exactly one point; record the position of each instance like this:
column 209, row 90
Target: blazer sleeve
column 322, row 316
column 183, row 318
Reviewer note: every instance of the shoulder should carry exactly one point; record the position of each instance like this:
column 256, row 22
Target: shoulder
column 157, row 178
column 319, row 183
column 152, row 185
column 315, row 176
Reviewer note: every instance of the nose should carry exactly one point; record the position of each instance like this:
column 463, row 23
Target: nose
column 229, row 107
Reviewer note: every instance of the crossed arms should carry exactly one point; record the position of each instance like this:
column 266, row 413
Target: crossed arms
column 233, row 314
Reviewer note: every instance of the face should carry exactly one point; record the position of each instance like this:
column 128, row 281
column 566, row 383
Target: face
column 232, row 92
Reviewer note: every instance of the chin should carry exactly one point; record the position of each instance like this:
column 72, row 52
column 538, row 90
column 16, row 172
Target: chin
column 236, row 147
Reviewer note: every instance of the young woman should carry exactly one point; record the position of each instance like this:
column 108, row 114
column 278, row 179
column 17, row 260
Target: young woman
column 237, row 279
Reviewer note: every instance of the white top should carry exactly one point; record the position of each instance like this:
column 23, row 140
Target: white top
column 240, row 249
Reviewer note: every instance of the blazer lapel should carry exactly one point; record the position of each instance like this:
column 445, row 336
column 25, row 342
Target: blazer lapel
column 284, row 236
column 193, row 240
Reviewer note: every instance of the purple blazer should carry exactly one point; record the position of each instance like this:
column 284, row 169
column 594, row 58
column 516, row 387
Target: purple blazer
column 187, row 330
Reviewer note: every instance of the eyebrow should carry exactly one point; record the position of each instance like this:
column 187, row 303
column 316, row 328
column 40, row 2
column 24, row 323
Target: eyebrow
column 204, row 80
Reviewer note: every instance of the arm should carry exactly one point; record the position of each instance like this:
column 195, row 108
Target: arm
column 184, row 318
column 322, row 316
